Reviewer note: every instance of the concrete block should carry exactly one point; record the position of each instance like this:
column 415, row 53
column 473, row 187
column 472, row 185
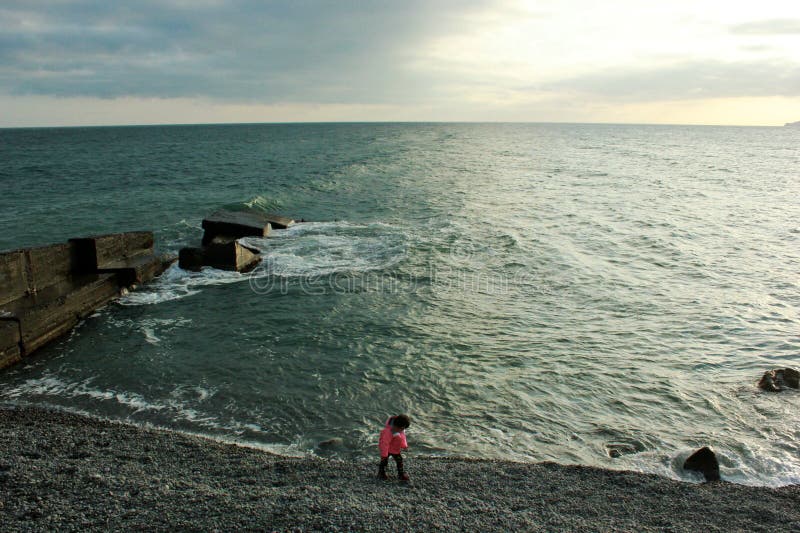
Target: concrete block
column 9, row 356
column 190, row 259
column 45, row 323
column 94, row 291
column 93, row 253
column 45, row 291
column 48, row 265
column 10, row 352
column 44, row 320
column 137, row 270
column 13, row 277
column 279, row 222
column 236, row 224
column 231, row 256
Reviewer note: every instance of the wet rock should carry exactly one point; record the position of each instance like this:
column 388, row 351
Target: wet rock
column 96, row 479
column 778, row 379
column 704, row 461
column 618, row 449
column 331, row 443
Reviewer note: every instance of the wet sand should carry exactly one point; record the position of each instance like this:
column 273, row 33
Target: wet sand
column 61, row 471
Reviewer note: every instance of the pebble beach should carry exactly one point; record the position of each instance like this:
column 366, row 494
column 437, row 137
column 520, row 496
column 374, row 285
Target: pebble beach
column 67, row 472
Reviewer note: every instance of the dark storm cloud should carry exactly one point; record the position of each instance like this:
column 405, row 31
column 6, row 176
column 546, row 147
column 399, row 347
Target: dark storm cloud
column 300, row 51
column 689, row 80
column 768, row 27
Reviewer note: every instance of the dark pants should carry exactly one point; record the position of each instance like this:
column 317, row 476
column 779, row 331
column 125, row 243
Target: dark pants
column 397, row 459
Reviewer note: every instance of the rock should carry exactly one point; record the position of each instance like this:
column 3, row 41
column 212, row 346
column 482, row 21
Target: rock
column 96, row 479
column 330, row 443
column 616, row 450
column 704, row 461
column 778, row 379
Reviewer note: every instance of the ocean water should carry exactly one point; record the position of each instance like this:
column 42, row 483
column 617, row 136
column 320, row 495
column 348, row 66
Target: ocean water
column 523, row 291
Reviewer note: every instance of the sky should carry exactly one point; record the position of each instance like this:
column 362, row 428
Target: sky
column 207, row 61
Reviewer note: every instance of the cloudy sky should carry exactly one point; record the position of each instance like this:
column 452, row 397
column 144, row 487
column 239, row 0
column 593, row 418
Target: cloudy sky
column 200, row 61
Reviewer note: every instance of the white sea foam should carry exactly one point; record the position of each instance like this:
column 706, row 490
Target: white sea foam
column 50, row 385
column 184, row 404
column 176, row 283
column 761, row 470
column 151, row 328
column 310, row 249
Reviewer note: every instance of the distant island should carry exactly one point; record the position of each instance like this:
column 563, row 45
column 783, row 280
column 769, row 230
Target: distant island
column 795, row 124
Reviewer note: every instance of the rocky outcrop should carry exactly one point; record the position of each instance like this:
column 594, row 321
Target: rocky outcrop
column 704, row 461
column 46, row 291
column 778, row 379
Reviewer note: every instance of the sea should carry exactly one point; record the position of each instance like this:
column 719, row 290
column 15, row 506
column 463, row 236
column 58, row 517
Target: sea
column 604, row 295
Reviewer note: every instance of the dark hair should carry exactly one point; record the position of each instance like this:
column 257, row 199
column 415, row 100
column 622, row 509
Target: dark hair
column 401, row 421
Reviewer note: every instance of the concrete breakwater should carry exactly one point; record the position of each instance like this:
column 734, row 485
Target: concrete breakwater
column 45, row 291
column 221, row 247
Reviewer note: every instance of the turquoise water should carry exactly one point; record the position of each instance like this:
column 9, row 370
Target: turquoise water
column 532, row 292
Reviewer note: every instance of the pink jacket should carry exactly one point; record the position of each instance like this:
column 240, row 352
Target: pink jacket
column 391, row 443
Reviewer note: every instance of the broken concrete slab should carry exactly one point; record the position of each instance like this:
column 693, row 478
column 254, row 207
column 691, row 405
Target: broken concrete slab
column 235, row 224
column 191, row 259
column 136, row 270
column 279, row 222
column 231, row 255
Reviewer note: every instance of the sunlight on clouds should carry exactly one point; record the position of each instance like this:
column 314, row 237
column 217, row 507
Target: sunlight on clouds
column 542, row 41
column 704, row 61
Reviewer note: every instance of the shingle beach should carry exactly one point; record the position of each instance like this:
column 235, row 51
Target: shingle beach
column 62, row 471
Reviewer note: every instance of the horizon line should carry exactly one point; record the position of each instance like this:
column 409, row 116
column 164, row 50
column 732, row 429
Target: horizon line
column 355, row 122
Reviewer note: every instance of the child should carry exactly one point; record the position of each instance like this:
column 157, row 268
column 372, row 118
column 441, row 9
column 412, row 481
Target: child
column 393, row 442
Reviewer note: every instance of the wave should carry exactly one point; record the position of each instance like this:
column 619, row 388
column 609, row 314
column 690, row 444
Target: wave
column 182, row 407
column 310, row 249
column 176, row 283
